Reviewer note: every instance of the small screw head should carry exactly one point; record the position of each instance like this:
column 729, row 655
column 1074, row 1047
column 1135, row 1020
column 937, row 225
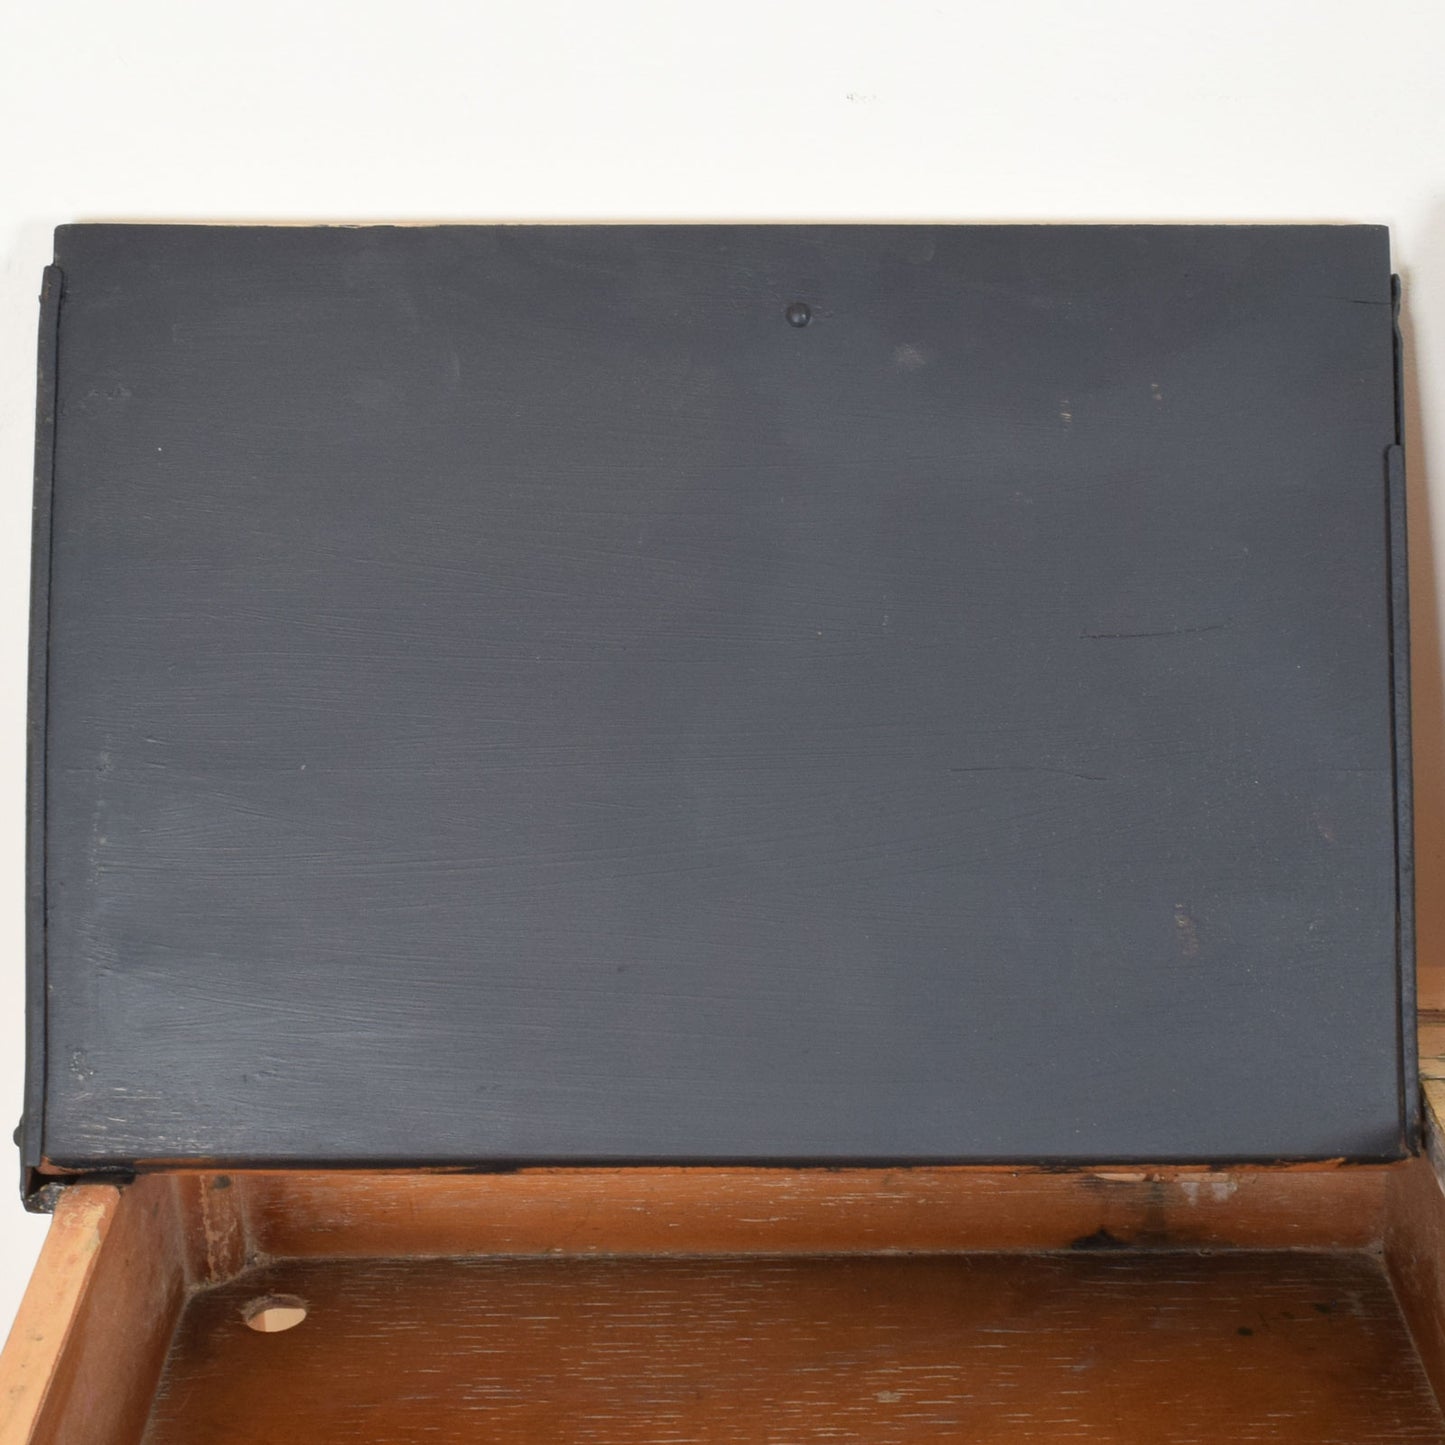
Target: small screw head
column 799, row 313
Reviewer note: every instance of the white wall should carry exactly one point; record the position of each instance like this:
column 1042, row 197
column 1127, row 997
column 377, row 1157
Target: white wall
column 754, row 109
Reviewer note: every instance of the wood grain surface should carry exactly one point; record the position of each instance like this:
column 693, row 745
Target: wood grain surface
column 1170, row 1347
column 678, row 1305
column 1414, row 1252
column 789, row 1211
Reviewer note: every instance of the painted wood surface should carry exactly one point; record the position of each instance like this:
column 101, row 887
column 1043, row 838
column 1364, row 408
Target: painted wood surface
column 514, row 697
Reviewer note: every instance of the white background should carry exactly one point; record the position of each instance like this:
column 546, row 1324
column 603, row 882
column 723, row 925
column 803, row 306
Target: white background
column 754, row 109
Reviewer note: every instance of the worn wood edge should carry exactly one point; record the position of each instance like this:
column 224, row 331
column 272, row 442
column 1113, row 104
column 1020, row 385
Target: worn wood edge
column 1431, row 1031
column 69, row 1258
column 1414, row 1240
column 790, row 1212
column 96, row 1322
column 215, row 1227
column 105, row 1380
column 1414, row 1249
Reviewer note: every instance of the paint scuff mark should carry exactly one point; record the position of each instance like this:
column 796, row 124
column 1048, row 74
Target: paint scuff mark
column 1187, row 930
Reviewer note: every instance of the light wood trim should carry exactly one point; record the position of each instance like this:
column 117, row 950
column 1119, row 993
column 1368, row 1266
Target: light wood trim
column 88, row 1345
column 43, row 1327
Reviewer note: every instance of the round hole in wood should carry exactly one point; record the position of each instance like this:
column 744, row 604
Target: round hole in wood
column 272, row 1313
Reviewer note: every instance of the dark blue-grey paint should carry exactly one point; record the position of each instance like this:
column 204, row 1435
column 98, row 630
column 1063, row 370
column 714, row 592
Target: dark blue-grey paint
column 514, row 696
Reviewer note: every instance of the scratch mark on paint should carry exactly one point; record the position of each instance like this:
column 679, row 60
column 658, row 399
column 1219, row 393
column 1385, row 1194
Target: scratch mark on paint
column 1034, row 768
column 1165, row 632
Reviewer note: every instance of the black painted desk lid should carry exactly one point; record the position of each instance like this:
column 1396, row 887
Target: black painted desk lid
column 515, row 694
